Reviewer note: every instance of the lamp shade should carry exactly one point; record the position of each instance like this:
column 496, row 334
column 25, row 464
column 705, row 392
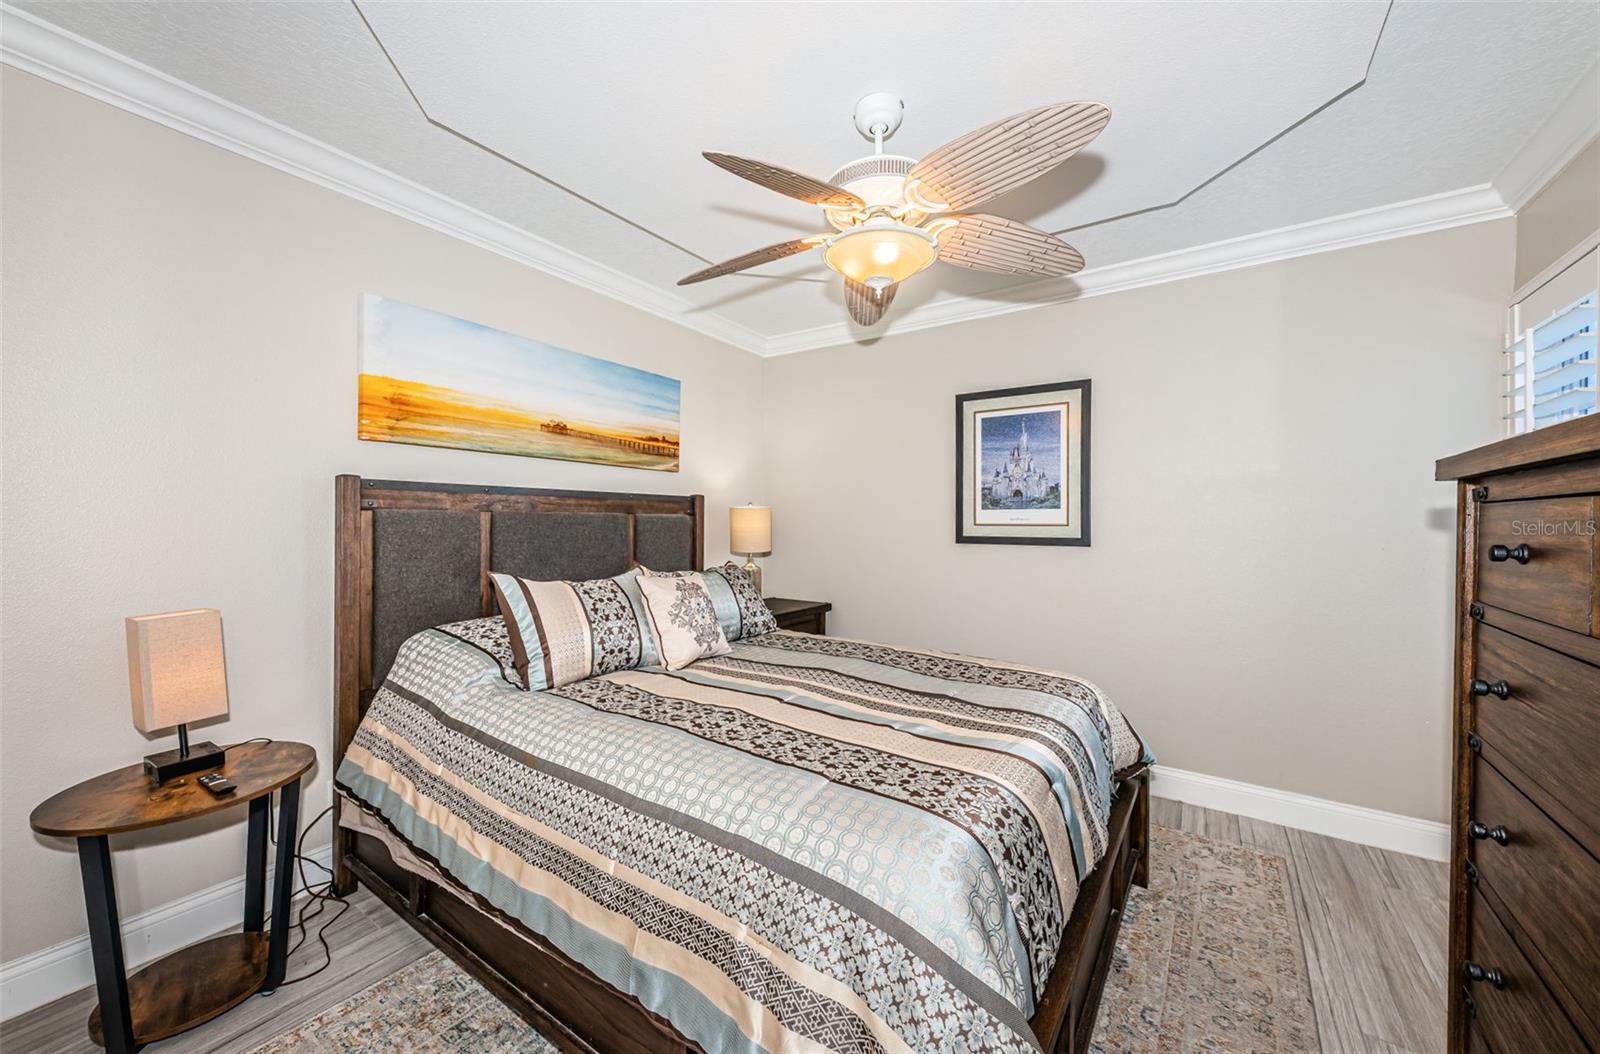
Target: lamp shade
column 175, row 668
column 878, row 256
column 750, row 530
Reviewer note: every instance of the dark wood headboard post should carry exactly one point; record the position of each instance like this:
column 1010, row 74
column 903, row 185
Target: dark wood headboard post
column 697, row 503
column 357, row 501
column 347, row 577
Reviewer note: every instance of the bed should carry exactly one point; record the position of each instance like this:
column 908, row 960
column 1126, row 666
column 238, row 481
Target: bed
column 810, row 844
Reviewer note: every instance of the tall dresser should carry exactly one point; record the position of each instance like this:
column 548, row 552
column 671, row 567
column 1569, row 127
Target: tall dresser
column 1525, row 848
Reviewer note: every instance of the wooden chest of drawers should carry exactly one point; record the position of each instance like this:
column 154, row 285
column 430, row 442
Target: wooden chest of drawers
column 1525, row 847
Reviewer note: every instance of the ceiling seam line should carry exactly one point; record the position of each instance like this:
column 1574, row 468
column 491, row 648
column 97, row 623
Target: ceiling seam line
column 492, row 152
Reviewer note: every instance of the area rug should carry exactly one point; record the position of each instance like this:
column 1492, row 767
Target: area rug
column 1210, row 957
column 428, row 1007
column 1209, row 961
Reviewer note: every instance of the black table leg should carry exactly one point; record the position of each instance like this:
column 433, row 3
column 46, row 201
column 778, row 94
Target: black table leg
column 255, row 865
column 282, row 886
column 105, row 940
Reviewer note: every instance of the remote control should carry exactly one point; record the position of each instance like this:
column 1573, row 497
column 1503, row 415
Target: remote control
column 216, row 783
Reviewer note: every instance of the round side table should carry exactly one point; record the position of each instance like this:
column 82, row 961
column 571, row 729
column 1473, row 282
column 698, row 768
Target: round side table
column 195, row 984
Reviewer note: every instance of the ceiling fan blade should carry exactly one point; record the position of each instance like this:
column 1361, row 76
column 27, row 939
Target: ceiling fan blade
column 754, row 258
column 866, row 304
column 1004, row 155
column 994, row 243
column 784, row 181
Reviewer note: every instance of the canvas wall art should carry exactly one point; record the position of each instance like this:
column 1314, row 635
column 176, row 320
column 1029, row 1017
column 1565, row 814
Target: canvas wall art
column 435, row 380
column 1022, row 465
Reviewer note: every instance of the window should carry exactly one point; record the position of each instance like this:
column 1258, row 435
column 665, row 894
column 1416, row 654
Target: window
column 1550, row 362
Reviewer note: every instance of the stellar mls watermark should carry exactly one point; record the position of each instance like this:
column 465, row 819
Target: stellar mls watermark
column 1578, row 527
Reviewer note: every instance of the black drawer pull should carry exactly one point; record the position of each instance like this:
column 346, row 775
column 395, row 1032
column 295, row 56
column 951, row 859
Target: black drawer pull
column 1475, row 972
column 1500, row 554
column 1494, row 834
column 1499, row 689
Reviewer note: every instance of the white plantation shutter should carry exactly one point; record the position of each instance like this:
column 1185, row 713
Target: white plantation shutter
column 1550, row 361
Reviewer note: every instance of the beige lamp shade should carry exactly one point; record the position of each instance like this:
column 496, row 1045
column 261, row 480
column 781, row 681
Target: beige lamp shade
column 175, row 669
column 750, row 530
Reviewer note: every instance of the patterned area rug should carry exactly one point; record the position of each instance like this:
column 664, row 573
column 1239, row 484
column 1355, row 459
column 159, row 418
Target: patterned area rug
column 1209, row 960
column 1210, row 957
column 429, row 1007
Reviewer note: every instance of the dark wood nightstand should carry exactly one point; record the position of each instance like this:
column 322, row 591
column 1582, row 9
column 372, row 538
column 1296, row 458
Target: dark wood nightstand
column 194, row 984
column 802, row 616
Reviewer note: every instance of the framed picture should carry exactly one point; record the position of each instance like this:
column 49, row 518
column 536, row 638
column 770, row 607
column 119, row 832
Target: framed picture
column 1022, row 465
column 435, row 380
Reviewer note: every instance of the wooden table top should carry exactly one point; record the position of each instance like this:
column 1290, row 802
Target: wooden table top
column 786, row 606
column 126, row 800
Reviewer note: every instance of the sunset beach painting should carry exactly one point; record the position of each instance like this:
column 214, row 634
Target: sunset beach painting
column 434, row 380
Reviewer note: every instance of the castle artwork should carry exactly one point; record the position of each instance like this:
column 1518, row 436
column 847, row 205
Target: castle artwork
column 1021, row 465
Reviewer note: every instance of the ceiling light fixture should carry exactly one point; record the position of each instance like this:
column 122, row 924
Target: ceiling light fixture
column 880, row 255
column 895, row 216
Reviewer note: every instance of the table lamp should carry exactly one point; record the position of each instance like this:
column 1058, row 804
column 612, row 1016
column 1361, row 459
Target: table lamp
column 749, row 536
column 176, row 675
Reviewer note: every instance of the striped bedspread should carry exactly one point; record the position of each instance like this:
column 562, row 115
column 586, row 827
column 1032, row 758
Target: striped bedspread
column 811, row 844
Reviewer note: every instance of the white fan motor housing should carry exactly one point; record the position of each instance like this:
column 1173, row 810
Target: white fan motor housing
column 879, row 113
column 876, row 179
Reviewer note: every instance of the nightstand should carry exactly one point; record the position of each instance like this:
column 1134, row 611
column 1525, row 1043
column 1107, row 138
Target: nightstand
column 194, row 984
column 802, row 616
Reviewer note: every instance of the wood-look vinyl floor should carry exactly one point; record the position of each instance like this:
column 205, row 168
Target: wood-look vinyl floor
column 1373, row 923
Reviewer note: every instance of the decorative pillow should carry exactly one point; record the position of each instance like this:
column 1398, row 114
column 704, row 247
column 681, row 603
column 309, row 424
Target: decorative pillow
column 682, row 619
column 565, row 631
column 740, row 610
column 489, row 634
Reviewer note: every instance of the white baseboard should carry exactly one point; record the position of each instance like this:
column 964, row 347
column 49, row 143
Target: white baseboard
column 34, row 980
column 1374, row 827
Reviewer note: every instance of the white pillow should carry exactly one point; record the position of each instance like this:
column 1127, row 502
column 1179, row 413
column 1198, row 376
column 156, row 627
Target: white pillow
column 683, row 619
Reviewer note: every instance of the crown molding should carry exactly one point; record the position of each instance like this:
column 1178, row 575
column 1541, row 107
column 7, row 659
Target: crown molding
column 36, row 46
column 1419, row 216
column 1572, row 127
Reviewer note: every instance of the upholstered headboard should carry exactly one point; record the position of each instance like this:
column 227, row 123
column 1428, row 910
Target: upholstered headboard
column 413, row 555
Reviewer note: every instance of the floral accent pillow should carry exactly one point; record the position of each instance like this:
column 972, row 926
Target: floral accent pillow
column 682, row 619
column 740, row 610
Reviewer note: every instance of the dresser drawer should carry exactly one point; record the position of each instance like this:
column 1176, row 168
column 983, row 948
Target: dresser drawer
column 1511, row 1006
column 1547, row 727
column 1549, row 888
column 1556, row 583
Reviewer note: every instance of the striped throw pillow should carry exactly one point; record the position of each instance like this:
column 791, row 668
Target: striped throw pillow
column 565, row 631
column 740, row 610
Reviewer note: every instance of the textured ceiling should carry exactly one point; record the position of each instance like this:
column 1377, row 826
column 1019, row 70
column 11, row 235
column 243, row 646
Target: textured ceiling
column 602, row 100
column 583, row 123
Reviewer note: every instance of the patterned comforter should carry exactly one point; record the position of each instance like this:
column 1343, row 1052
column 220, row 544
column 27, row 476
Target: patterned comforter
column 811, row 844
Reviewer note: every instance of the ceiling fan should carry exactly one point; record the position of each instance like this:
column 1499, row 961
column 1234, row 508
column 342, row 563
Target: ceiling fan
column 894, row 216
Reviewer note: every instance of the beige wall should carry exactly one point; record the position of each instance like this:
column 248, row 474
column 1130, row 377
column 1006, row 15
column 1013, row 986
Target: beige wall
column 1268, row 593
column 1560, row 216
column 179, row 390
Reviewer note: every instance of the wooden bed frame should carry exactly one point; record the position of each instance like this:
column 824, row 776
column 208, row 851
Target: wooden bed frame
column 579, row 1012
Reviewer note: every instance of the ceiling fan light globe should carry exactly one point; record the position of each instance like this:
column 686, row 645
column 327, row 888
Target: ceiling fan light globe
column 878, row 255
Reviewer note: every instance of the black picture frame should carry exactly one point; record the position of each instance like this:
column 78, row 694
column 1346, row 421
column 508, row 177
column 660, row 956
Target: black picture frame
column 963, row 401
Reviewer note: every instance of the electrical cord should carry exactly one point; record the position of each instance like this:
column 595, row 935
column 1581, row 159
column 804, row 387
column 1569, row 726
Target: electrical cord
column 318, row 897
column 321, row 897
